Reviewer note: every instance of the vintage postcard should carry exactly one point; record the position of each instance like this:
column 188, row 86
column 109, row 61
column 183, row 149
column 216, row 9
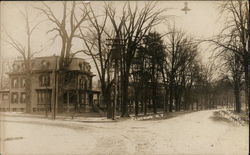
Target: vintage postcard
column 124, row 77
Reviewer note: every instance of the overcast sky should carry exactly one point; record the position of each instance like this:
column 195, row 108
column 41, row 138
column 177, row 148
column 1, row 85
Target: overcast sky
column 201, row 21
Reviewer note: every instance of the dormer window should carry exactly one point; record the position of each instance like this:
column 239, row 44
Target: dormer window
column 84, row 67
column 23, row 66
column 45, row 64
column 80, row 66
column 23, row 82
column 32, row 64
column 16, row 67
column 83, row 83
column 88, row 68
column 44, row 81
column 14, row 82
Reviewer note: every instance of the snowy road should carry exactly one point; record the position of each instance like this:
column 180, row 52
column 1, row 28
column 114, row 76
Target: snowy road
column 193, row 133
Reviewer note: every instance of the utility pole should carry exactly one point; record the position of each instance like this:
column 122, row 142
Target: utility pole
column 55, row 94
column 46, row 94
column 116, row 45
column 1, row 61
column 1, row 69
column 248, row 54
column 115, row 91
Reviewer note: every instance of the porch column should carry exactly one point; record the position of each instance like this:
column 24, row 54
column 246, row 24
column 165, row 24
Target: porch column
column 67, row 101
column 78, row 101
column 98, row 99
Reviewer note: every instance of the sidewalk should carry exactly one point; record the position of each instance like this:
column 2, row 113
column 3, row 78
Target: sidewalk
column 94, row 118
column 161, row 115
column 65, row 117
column 86, row 118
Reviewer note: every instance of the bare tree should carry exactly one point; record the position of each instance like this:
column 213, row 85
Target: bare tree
column 236, row 30
column 234, row 73
column 66, row 27
column 180, row 57
column 26, row 52
column 135, row 24
column 94, row 39
column 147, row 69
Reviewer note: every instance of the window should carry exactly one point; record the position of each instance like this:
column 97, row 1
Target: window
column 83, row 98
column 44, row 81
column 69, row 96
column 85, row 85
column 83, row 82
column 83, row 66
column 14, row 97
column 23, row 98
column 68, row 77
column 40, row 97
column 5, row 97
column 43, row 96
column 23, row 83
column 14, row 82
column 80, row 66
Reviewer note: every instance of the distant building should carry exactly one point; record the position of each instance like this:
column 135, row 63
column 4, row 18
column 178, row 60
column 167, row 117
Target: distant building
column 71, row 87
column 4, row 100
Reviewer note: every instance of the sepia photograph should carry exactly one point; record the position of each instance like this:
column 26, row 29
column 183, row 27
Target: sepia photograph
column 165, row 77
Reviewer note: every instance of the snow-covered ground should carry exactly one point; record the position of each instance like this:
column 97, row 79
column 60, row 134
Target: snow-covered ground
column 193, row 133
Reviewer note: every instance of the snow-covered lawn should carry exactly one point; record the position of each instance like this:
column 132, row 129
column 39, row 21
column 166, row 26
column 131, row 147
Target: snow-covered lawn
column 193, row 133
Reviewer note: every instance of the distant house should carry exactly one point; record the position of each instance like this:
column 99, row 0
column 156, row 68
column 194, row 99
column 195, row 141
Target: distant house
column 4, row 100
column 71, row 87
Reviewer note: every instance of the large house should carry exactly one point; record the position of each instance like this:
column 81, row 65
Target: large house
column 70, row 88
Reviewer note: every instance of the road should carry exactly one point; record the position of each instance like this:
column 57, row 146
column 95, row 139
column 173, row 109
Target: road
column 192, row 133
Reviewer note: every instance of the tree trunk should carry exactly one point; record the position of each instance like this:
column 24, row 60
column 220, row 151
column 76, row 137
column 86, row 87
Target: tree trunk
column 247, row 84
column 166, row 100
column 142, row 105
column 237, row 98
column 125, row 97
column 171, row 95
column 28, row 83
column 197, row 105
column 192, row 106
column 145, row 107
column 186, row 100
column 179, row 99
column 107, row 101
column 247, row 65
column 136, row 107
column 154, row 98
column 176, row 100
column 28, row 92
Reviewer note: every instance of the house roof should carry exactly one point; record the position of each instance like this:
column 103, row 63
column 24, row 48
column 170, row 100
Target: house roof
column 2, row 90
